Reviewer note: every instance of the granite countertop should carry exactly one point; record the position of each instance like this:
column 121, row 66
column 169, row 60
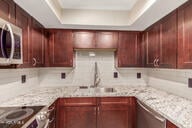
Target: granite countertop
column 176, row 109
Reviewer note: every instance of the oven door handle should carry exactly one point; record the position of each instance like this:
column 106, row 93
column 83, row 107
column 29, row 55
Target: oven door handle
column 8, row 26
column 46, row 124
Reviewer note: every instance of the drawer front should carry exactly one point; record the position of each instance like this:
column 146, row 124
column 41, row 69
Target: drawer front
column 77, row 102
column 114, row 100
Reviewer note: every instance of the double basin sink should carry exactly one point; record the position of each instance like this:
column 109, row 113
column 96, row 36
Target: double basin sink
column 101, row 89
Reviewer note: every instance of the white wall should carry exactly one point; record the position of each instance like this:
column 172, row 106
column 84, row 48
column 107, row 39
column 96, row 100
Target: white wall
column 10, row 82
column 171, row 80
column 83, row 73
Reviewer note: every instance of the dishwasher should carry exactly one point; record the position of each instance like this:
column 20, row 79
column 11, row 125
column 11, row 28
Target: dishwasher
column 148, row 118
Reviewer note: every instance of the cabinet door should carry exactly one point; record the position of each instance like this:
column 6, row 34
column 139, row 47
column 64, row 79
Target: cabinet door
column 152, row 45
column 7, row 10
column 78, row 117
column 84, row 39
column 168, row 41
column 106, row 39
column 61, row 48
column 115, row 113
column 76, row 113
column 37, row 44
column 128, row 53
column 170, row 125
column 23, row 20
column 184, row 36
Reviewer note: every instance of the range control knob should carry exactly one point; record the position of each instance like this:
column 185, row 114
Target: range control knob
column 41, row 117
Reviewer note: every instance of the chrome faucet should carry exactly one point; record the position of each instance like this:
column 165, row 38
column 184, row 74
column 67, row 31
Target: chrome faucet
column 96, row 77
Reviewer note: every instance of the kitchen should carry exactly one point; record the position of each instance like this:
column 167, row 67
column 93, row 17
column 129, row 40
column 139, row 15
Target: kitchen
column 95, row 64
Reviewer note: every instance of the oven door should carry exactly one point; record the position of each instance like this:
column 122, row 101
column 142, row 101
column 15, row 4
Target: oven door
column 7, row 44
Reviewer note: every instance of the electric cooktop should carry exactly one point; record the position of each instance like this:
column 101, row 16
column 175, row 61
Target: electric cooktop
column 16, row 117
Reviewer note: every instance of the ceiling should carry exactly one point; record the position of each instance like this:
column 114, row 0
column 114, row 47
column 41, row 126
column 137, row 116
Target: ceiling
column 97, row 14
column 98, row 4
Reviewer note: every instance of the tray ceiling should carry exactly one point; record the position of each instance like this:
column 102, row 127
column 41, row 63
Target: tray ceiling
column 101, row 14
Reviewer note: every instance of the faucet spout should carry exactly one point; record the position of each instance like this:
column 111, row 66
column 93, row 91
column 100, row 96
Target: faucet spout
column 96, row 76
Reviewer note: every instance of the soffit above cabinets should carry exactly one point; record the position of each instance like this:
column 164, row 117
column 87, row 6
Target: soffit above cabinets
column 93, row 14
column 97, row 4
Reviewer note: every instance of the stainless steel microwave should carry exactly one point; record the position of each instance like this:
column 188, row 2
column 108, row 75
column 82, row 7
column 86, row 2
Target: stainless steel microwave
column 10, row 43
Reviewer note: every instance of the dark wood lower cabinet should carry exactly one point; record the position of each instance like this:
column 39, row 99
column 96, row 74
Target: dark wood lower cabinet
column 112, row 112
column 116, row 113
column 77, row 113
column 170, row 125
column 113, row 116
column 78, row 117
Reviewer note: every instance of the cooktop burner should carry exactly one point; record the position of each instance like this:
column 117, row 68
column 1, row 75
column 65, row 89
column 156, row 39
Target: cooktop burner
column 16, row 115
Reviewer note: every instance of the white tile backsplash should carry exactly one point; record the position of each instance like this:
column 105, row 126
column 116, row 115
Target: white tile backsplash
column 171, row 80
column 10, row 82
column 83, row 73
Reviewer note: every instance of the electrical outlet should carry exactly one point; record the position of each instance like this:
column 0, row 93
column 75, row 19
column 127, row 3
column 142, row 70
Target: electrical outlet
column 190, row 82
column 115, row 74
column 63, row 75
column 23, row 79
column 138, row 75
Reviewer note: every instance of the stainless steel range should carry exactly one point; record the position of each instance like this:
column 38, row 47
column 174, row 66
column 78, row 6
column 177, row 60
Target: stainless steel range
column 24, row 117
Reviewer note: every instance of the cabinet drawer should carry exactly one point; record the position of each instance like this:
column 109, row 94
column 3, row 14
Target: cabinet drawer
column 114, row 100
column 77, row 101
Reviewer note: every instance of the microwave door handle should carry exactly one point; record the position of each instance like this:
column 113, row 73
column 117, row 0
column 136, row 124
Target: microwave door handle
column 8, row 26
column 12, row 42
column 2, row 45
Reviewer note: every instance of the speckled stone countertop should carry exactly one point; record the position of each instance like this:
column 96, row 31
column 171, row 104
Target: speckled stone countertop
column 176, row 109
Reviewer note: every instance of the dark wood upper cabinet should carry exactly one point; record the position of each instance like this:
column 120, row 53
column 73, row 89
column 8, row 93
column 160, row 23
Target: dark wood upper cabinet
column 106, row 39
column 129, row 49
column 170, row 125
column 152, row 44
column 168, row 41
column 23, row 20
column 185, row 36
column 161, row 43
column 83, row 39
column 94, row 39
column 60, row 48
column 37, row 44
column 7, row 10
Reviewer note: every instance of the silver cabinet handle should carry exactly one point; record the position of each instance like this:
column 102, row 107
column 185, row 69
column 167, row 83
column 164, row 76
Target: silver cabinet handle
column 152, row 113
column 157, row 62
column 8, row 26
column 35, row 62
column 46, row 124
column 154, row 62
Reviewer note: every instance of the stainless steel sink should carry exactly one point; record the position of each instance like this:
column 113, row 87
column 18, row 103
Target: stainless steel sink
column 105, row 90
